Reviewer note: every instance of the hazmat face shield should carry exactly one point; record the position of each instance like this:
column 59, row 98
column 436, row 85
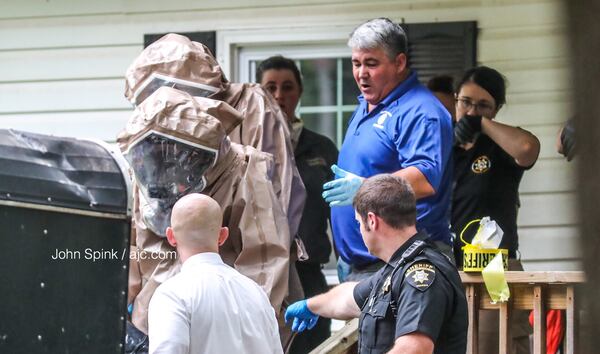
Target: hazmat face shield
column 167, row 168
column 156, row 80
column 172, row 141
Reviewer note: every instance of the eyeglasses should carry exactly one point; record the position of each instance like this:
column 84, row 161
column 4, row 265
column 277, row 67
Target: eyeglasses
column 482, row 108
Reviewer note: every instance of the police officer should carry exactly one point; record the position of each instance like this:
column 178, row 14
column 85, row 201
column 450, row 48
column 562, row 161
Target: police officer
column 416, row 302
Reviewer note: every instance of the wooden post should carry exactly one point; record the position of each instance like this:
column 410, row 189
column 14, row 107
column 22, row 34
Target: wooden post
column 473, row 306
column 539, row 321
column 505, row 338
column 571, row 330
column 584, row 29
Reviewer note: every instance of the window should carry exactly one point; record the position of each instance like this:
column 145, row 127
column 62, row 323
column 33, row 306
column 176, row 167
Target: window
column 329, row 96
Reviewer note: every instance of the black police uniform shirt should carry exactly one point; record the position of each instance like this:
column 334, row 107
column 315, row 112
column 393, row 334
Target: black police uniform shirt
column 314, row 156
column 486, row 183
column 425, row 293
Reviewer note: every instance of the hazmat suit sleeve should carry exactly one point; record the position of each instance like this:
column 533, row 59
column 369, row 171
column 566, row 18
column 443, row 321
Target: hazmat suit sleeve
column 152, row 262
column 265, row 128
column 259, row 230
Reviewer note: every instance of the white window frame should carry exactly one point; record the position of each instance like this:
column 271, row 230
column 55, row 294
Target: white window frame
column 237, row 50
column 249, row 54
column 231, row 43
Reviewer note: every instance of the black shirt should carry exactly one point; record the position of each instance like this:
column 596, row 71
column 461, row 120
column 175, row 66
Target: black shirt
column 425, row 292
column 486, row 183
column 314, row 156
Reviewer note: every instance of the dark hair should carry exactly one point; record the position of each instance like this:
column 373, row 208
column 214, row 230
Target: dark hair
column 490, row 80
column 390, row 198
column 441, row 83
column 278, row 62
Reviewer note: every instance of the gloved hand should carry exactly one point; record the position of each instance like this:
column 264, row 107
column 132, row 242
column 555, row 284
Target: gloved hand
column 342, row 190
column 466, row 129
column 567, row 140
column 303, row 317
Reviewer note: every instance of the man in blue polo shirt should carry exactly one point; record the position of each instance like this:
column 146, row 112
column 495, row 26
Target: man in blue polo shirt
column 399, row 127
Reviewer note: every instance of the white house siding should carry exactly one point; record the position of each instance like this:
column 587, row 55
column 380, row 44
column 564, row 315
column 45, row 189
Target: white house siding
column 62, row 65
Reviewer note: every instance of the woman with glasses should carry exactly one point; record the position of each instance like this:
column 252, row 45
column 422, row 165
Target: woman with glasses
column 489, row 161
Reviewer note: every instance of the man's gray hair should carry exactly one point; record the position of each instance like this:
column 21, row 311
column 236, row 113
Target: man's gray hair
column 380, row 33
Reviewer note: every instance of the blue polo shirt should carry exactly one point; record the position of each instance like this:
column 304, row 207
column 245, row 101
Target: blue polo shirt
column 409, row 127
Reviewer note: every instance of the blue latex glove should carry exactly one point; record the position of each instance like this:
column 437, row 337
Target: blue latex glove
column 303, row 317
column 342, row 190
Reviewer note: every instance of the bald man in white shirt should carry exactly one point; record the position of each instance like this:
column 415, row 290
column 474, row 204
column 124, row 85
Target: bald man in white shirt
column 208, row 307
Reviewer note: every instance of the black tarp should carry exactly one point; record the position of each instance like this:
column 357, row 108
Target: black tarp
column 63, row 172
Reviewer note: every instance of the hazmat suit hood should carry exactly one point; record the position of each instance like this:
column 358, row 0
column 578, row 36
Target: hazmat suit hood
column 172, row 142
column 176, row 61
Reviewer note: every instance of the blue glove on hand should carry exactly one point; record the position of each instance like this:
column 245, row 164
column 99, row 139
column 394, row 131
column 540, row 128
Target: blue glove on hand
column 303, row 317
column 342, row 190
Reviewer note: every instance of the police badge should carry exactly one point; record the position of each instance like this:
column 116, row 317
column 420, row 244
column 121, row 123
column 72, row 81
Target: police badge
column 420, row 275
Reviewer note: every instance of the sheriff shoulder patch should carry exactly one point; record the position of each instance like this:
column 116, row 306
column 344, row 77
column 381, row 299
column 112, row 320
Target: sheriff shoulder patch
column 420, row 275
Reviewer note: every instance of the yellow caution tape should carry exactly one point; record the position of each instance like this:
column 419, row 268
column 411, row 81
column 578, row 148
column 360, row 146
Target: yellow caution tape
column 495, row 281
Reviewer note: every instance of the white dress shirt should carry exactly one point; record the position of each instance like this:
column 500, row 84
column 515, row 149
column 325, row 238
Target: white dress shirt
column 209, row 307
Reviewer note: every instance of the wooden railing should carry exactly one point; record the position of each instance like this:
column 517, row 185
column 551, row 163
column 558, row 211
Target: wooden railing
column 537, row 291
column 341, row 342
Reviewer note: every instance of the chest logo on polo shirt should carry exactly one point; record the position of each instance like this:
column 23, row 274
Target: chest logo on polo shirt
column 420, row 275
column 382, row 117
column 482, row 164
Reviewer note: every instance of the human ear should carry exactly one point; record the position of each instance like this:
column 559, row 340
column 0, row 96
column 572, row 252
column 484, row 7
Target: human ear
column 171, row 237
column 401, row 62
column 223, row 235
column 372, row 221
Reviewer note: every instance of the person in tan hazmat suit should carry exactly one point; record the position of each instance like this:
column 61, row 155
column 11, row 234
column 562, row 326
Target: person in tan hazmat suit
column 177, row 144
